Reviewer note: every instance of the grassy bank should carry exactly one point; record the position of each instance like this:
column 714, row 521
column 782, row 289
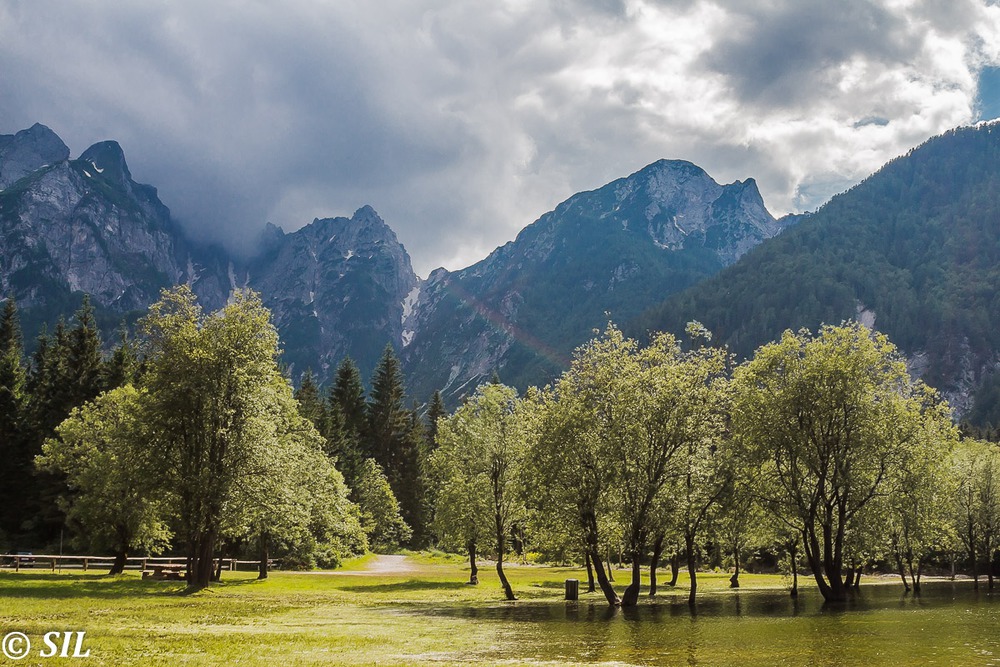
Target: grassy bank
column 428, row 615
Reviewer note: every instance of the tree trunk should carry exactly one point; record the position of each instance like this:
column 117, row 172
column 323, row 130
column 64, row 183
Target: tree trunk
column 603, row 582
column 630, row 598
column 912, row 572
column 692, row 574
column 217, row 573
column 988, row 560
column 654, row 562
column 503, row 581
column 202, row 560
column 118, row 566
column 501, row 543
column 849, row 578
column 675, row 568
column 811, row 545
column 590, row 572
column 975, row 561
column 589, row 523
column 833, row 561
column 857, row 577
column 264, row 555
column 734, row 581
column 611, row 572
column 473, row 568
column 793, row 556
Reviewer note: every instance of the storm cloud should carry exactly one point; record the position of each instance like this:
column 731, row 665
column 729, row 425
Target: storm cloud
column 461, row 122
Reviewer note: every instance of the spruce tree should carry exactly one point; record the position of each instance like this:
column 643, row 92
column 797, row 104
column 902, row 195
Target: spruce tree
column 388, row 421
column 347, row 425
column 12, row 376
column 123, row 366
column 310, row 404
column 49, row 389
column 435, row 410
column 348, row 394
column 84, row 363
column 68, row 372
column 15, row 468
column 394, row 440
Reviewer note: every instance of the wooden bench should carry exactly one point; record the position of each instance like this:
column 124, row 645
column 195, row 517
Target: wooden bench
column 166, row 573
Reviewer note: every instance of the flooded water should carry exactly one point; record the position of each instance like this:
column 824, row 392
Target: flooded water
column 948, row 624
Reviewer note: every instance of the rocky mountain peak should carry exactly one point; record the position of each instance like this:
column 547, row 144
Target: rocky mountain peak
column 270, row 238
column 335, row 287
column 107, row 161
column 617, row 249
column 27, row 151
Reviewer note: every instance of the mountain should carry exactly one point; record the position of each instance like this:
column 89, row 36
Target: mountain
column 913, row 250
column 28, row 151
column 615, row 250
column 337, row 287
column 69, row 227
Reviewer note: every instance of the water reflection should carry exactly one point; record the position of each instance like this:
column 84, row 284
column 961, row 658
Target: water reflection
column 734, row 605
column 949, row 623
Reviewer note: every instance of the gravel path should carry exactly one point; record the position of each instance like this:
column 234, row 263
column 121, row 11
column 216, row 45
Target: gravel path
column 390, row 565
column 387, row 565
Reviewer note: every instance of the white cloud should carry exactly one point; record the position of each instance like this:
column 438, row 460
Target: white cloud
column 462, row 122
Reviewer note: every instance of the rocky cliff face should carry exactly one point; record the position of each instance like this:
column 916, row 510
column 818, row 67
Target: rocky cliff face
column 28, row 151
column 616, row 250
column 345, row 286
column 69, row 227
column 336, row 288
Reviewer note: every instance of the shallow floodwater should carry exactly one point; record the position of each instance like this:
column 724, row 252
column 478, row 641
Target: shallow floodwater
column 948, row 624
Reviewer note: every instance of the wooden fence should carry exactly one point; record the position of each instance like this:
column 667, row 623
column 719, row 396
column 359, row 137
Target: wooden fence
column 19, row 561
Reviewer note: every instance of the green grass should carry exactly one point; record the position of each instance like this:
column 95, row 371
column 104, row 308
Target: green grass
column 430, row 616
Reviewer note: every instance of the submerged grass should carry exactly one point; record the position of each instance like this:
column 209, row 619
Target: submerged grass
column 428, row 615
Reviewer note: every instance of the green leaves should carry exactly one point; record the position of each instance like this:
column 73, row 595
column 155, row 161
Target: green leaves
column 102, row 450
column 833, row 423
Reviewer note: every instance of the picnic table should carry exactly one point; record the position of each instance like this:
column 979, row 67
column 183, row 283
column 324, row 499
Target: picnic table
column 165, row 572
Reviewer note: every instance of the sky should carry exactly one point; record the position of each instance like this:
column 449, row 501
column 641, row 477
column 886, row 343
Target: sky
column 461, row 122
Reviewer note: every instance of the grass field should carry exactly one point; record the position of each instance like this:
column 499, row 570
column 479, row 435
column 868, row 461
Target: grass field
column 424, row 613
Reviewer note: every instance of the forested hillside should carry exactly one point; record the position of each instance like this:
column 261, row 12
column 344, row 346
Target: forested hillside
column 916, row 246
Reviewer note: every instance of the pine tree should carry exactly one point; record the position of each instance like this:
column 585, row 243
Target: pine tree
column 84, row 363
column 67, row 373
column 348, row 394
column 12, row 376
column 310, row 404
column 388, row 422
column 435, row 410
column 394, row 440
column 123, row 366
column 14, row 468
column 347, row 422
column 47, row 384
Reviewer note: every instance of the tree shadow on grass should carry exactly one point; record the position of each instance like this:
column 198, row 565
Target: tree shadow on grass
column 65, row 586
column 409, row 585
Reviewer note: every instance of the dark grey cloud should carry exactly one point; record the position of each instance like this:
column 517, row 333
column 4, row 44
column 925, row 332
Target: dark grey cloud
column 786, row 51
column 462, row 122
